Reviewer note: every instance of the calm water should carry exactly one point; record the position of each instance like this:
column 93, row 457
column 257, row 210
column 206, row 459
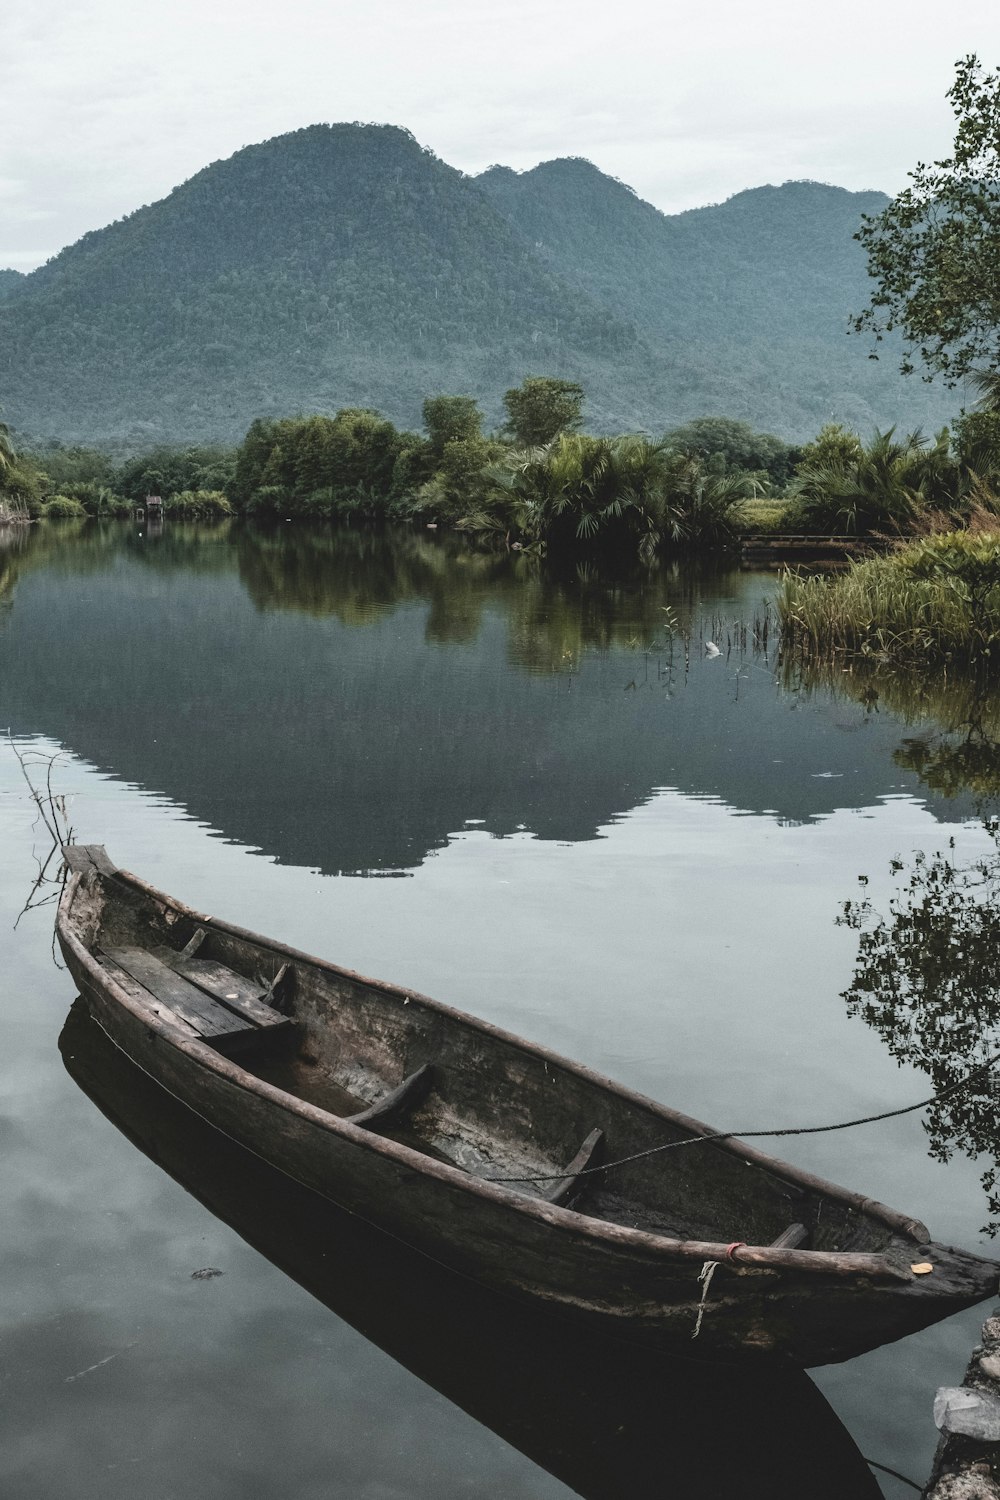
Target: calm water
column 600, row 838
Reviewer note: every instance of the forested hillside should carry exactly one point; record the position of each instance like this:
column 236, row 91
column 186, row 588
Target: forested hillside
column 8, row 281
column 745, row 301
column 346, row 266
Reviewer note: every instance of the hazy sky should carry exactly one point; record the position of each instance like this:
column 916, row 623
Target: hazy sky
column 107, row 104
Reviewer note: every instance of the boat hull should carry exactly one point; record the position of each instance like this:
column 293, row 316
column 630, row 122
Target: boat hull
column 681, row 1294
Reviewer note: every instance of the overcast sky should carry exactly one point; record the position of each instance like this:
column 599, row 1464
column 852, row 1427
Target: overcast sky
column 108, row 104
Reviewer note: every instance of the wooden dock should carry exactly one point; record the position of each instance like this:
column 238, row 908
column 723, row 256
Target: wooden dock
column 774, row 549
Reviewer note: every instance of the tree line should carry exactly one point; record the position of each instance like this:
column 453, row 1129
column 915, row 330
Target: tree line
column 539, row 481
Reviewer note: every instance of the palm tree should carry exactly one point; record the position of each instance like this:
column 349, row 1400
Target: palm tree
column 883, row 488
column 987, row 383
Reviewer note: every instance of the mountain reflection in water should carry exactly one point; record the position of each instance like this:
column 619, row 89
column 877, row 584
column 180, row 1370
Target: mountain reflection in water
column 604, row 1418
column 346, row 701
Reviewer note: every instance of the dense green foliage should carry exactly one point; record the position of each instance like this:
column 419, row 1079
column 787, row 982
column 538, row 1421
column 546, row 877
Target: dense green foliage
column 6, row 452
column 353, row 463
column 540, row 408
column 9, row 281
column 938, row 599
column 573, row 490
column 620, row 494
column 61, row 508
column 934, row 252
column 726, row 445
column 701, row 485
column 199, row 505
column 623, row 494
column 56, row 480
column 884, row 485
column 894, row 484
column 451, row 419
column 167, row 471
column 344, row 266
column 19, row 481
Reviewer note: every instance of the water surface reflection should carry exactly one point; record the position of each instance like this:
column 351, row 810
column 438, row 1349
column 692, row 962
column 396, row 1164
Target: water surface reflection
column 345, row 701
column 927, row 980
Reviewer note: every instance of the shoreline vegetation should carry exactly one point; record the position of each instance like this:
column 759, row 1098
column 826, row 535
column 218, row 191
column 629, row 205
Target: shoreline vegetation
column 13, row 512
column 541, row 485
column 539, row 481
column 934, row 601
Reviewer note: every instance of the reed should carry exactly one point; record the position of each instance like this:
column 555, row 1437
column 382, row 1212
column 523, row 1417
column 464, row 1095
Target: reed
column 935, row 599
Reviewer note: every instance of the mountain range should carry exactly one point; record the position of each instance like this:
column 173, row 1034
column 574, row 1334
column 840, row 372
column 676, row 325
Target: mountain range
column 345, row 265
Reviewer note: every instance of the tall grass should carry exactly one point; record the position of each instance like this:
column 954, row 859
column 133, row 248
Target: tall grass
column 938, row 598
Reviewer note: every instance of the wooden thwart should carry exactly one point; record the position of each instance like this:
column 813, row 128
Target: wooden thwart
column 409, row 1095
column 589, row 1155
column 221, row 1024
column 207, row 1017
column 139, row 992
column 238, row 994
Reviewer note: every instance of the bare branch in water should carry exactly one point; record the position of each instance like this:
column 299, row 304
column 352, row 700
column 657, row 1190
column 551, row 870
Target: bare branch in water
column 51, row 806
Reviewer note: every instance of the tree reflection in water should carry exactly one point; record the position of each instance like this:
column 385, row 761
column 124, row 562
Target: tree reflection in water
column 955, row 748
column 927, row 977
column 928, row 981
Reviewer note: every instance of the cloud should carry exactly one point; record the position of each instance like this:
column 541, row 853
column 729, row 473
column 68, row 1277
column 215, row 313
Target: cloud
column 107, row 105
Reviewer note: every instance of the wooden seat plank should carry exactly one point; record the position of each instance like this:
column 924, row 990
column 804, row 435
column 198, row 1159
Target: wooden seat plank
column 139, row 992
column 236, row 993
column 589, row 1155
column 410, row 1093
column 207, row 1016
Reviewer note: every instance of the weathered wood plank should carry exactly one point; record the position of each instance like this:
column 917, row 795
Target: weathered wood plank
column 191, row 948
column 410, row 1093
column 83, row 857
column 235, row 992
column 207, row 1016
column 792, row 1238
column 139, row 992
column 589, row 1155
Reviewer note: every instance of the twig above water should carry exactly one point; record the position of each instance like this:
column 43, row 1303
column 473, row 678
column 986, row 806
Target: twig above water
column 51, row 807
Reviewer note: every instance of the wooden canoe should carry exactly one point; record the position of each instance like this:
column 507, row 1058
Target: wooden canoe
column 605, row 1417
column 417, row 1118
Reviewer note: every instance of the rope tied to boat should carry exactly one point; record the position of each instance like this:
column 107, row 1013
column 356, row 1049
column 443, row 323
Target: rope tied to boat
column 728, row 1135
column 705, row 1275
